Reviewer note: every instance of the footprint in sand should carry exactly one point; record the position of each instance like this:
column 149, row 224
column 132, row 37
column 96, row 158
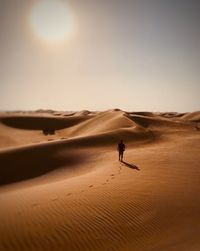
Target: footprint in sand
column 35, row 205
column 69, row 194
column 112, row 174
column 91, row 186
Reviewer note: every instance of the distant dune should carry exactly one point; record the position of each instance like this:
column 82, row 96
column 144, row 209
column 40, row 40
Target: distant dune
column 63, row 188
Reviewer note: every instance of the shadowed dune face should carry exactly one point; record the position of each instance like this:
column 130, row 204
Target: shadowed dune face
column 41, row 123
column 23, row 164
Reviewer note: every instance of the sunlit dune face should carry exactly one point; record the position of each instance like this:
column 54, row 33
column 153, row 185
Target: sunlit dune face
column 51, row 20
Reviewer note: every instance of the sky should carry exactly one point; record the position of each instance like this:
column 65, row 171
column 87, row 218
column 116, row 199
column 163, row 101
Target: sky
column 136, row 55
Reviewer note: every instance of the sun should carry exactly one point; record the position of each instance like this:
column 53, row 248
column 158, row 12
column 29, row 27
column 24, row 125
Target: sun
column 51, row 20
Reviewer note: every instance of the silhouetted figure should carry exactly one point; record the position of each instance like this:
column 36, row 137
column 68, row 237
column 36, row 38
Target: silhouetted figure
column 121, row 149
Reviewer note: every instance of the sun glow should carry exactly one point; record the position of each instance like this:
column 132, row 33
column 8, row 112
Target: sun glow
column 51, row 20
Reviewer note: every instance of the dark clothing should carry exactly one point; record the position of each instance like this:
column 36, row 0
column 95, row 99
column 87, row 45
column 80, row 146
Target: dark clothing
column 121, row 147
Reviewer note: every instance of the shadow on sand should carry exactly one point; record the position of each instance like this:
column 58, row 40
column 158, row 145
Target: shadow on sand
column 130, row 165
column 31, row 162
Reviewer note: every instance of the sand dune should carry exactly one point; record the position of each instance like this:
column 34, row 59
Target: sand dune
column 39, row 122
column 68, row 191
column 155, row 123
column 193, row 116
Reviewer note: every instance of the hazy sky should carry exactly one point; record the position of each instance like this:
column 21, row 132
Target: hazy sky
column 131, row 54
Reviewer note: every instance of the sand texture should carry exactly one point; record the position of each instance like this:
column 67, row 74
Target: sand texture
column 63, row 188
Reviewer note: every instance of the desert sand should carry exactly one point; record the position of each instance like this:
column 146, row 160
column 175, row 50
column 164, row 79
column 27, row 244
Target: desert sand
column 66, row 190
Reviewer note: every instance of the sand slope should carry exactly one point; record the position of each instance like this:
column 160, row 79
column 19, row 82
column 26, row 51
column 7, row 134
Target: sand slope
column 68, row 191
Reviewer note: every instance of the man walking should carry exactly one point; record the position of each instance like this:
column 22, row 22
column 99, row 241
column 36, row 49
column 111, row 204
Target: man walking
column 121, row 149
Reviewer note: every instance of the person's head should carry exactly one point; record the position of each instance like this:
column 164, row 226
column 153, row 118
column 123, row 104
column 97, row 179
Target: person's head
column 121, row 141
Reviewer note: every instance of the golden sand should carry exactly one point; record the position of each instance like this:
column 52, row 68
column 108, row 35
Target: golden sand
column 68, row 191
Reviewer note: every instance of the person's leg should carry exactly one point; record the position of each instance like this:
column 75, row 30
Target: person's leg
column 119, row 156
column 122, row 156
